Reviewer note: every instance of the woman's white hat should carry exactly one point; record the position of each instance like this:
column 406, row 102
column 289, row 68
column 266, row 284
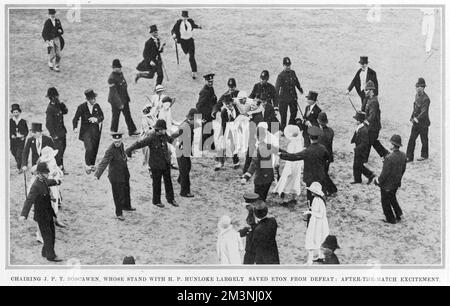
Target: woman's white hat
column 242, row 94
column 316, row 188
column 224, row 222
column 47, row 154
column 292, row 132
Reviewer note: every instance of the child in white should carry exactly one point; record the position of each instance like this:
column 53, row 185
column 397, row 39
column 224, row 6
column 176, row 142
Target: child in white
column 148, row 120
column 229, row 243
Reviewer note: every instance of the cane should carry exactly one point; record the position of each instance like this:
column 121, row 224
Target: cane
column 176, row 51
column 165, row 71
column 25, row 181
column 352, row 104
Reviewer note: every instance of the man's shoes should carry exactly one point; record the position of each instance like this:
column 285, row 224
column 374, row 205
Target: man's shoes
column 39, row 239
column 55, row 259
column 370, row 179
column 159, row 205
column 194, row 75
column 236, row 165
column 129, row 209
column 386, row 221
column 355, row 182
column 422, row 158
column 60, row 224
column 409, row 160
column 173, row 203
column 56, row 69
column 318, row 260
column 188, row 195
column 88, row 169
column 121, row 218
column 399, row 218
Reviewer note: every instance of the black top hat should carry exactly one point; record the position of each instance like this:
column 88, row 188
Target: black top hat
column 330, row 243
column 51, row 11
column 128, row 260
column 360, row 116
column 36, row 127
column 322, row 118
column 250, row 197
column 192, row 112
column 153, row 28
column 286, row 61
column 14, row 107
column 52, row 92
column 231, row 82
column 396, row 140
column 160, row 125
column 42, row 168
column 116, row 63
column 90, row 94
column 421, row 83
column 264, row 75
column 312, row 95
column 314, row 131
column 209, row 76
column 184, row 14
column 363, row 60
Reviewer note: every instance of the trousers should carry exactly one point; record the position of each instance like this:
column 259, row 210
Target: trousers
column 121, row 195
column 184, row 167
column 376, row 144
column 16, row 147
column 60, row 145
column 293, row 109
column 389, row 202
column 157, row 174
column 359, row 169
column 47, row 229
column 262, row 190
column 417, row 130
column 127, row 114
column 91, row 144
column 188, row 47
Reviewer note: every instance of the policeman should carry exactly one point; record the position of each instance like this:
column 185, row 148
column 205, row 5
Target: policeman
column 264, row 87
column 207, row 100
column 285, row 86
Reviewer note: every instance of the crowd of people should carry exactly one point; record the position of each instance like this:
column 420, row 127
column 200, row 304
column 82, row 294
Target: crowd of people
column 234, row 126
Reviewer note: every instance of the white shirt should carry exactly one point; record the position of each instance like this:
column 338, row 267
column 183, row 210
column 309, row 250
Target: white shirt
column 363, row 78
column 16, row 120
column 310, row 109
column 90, row 107
column 185, row 33
column 231, row 112
column 39, row 145
column 53, row 21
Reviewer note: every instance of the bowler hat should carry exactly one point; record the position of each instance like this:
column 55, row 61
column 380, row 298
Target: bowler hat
column 51, row 11
column 312, row 95
column 116, row 135
column 264, row 75
column 209, row 76
column 286, row 61
column 421, row 83
column 330, row 243
column 396, row 140
column 363, row 60
column 322, row 118
column 314, row 131
column 192, row 112
column 260, row 209
column 250, row 197
column 90, row 94
column 160, row 125
column 36, row 127
column 231, row 82
column 128, row 260
column 42, row 168
column 370, row 85
column 360, row 116
column 153, row 28
column 15, row 107
column 116, row 63
column 52, row 92
column 316, row 188
column 184, row 14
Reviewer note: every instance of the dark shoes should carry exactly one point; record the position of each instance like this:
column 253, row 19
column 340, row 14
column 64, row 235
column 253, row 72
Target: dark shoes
column 121, row 218
column 188, row 195
column 55, row 259
column 422, row 158
column 386, row 221
column 135, row 133
column 370, row 179
column 173, row 203
column 355, row 182
column 60, row 224
column 129, row 209
column 159, row 205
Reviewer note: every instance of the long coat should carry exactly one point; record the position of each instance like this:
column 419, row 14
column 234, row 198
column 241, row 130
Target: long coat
column 362, row 146
column 55, row 119
column 30, row 144
column 21, row 128
column 326, row 138
column 356, row 82
column 88, row 129
column 420, row 110
column 394, row 167
column 262, row 165
column 285, row 86
column 264, row 243
column 116, row 160
column 49, row 31
column 152, row 52
column 207, row 99
column 118, row 93
column 176, row 27
column 373, row 114
column 40, row 195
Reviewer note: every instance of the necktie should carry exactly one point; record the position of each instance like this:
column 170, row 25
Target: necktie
column 185, row 25
column 38, row 146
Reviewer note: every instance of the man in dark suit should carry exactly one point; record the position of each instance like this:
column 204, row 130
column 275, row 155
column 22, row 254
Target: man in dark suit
column 247, row 232
column 362, row 76
column 159, row 161
column 55, row 125
column 264, row 234
column 362, row 149
column 44, row 214
column 119, row 99
column 52, row 35
column 420, row 123
column 232, row 93
column 118, row 175
column 182, row 33
column 35, row 143
column 390, row 179
column 264, row 87
column 91, row 116
column 312, row 111
column 315, row 157
column 326, row 138
column 285, row 86
column 18, row 132
column 207, row 100
column 152, row 62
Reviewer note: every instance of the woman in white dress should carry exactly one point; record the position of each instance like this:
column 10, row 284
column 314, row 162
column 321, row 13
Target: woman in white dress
column 148, row 120
column 290, row 180
column 229, row 243
column 318, row 229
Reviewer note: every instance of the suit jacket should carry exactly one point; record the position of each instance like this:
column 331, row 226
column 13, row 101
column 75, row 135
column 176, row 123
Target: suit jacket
column 55, row 119
column 21, row 128
column 315, row 158
column 152, row 50
column 49, row 31
column 118, row 93
column 262, row 165
column 362, row 146
column 268, row 89
column 313, row 115
column 218, row 106
column 40, row 195
column 116, row 160
column 207, row 99
column 326, row 139
column 159, row 153
column 184, row 138
column 264, row 243
column 285, row 86
column 31, row 144
column 394, row 167
column 373, row 114
column 356, row 82
column 420, row 110
column 87, row 129
column 176, row 27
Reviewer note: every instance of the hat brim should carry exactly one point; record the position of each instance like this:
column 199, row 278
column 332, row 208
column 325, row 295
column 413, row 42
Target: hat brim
column 396, row 143
column 363, row 62
column 320, row 193
column 421, row 85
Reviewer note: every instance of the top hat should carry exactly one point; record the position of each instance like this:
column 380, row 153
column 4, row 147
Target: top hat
column 159, row 88
column 292, row 132
column 36, row 127
column 116, row 135
column 47, row 154
column 153, row 28
column 322, row 118
column 312, row 95
column 316, row 188
column 15, row 107
column 42, row 168
column 330, row 243
column 286, row 61
column 116, row 63
column 360, row 116
column 51, row 11
column 421, row 83
column 231, row 82
column 260, row 209
column 90, row 94
column 224, row 222
column 209, row 76
column 264, row 75
column 52, row 92
column 363, row 60
column 128, row 260
column 184, row 14
column 314, row 131
column 160, row 125
column 250, row 197
column 191, row 114
column 396, row 140
column 370, row 85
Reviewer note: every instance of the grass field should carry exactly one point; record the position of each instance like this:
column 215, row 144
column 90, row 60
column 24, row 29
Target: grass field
column 324, row 46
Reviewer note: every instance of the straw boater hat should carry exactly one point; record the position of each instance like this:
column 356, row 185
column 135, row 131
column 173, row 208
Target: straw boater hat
column 292, row 132
column 224, row 222
column 316, row 188
column 47, row 154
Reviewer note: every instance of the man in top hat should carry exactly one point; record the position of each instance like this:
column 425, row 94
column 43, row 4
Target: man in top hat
column 44, row 215
column 232, row 93
column 18, row 132
column 265, row 87
column 182, row 33
column 55, row 124
column 207, row 99
column 362, row 149
column 119, row 176
column 285, row 86
column 267, row 114
column 373, row 119
column 327, row 248
column 390, row 179
column 152, row 62
column 420, row 122
column 312, row 111
column 35, row 143
column 249, row 256
column 91, row 116
column 159, row 161
column 362, row 76
column 119, row 99
column 315, row 156
column 52, row 35
column 326, row 138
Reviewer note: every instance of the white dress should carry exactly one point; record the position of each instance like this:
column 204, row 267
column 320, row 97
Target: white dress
column 229, row 247
column 290, row 180
column 318, row 228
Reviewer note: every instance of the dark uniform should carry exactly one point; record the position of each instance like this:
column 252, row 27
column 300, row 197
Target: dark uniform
column 362, row 149
column 264, row 243
column 55, row 125
column 207, row 100
column 373, row 115
column 264, row 88
column 118, row 175
column 152, row 53
column 18, row 132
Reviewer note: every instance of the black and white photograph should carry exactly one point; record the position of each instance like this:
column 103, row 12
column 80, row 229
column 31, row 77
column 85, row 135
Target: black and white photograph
column 224, row 136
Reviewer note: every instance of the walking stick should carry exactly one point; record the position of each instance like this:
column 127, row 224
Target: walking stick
column 176, row 51
column 25, row 181
column 352, row 104
column 164, row 69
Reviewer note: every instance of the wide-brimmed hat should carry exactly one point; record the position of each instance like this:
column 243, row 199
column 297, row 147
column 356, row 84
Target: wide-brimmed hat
column 316, row 188
column 36, row 127
column 47, row 154
column 292, row 132
column 42, row 168
column 90, row 94
column 153, row 28
column 160, row 125
column 421, row 83
column 116, row 63
column 129, row 260
column 363, row 60
column 360, row 116
column 312, row 95
column 52, row 92
column 330, row 243
column 191, row 114
column 159, row 88
column 322, row 118
column 15, row 107
column 370, row 85
column 396, row 140
column 224, row 222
